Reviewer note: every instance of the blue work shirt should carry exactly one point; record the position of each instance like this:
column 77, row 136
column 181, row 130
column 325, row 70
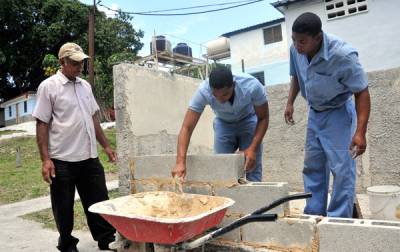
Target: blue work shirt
column 332, row 76
column 249, row 92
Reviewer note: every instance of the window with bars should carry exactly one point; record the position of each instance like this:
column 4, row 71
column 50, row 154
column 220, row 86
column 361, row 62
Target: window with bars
column 272, row 34
column 259, row 76
column 341, row 8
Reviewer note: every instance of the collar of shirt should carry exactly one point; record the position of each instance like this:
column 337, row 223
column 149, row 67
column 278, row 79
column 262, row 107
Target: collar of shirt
column 65, row 80
column 323, row 53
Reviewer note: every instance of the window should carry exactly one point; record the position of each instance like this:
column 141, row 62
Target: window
column 341, row 8
column 25, row 106
column 272, row 34
column 259, row 76
column 9, row 112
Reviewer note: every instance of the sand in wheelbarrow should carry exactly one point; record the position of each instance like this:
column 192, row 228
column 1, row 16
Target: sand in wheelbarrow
column 168, row 205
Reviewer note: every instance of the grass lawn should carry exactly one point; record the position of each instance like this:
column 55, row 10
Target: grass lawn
column 46, row 216
column 26, row 182
column 8, row 132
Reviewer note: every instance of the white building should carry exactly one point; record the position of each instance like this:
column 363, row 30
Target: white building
column 19, row 109
column 260, row 50
column 371, row 26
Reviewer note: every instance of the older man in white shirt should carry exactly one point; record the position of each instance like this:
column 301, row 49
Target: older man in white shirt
column 67, row 130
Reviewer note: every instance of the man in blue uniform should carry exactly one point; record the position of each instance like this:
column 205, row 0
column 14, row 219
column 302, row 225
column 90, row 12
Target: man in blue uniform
column 327, row 72
column 241, row 108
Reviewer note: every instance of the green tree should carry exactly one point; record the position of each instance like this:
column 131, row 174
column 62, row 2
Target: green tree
column 115, row 41
column 32, row 29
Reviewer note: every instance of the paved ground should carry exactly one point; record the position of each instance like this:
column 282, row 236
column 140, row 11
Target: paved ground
column 17, row 234
column 297, row 206
column 29, row 129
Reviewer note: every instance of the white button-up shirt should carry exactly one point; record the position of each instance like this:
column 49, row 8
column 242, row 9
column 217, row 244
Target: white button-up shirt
column 68, row 106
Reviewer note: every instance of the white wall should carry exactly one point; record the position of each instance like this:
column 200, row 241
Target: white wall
column 157, row 102
column 7, row 113
column 270, row 58
column 375, row 34
column 30, row 106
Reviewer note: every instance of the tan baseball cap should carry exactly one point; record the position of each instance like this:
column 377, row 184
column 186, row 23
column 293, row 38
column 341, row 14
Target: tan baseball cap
column 72, row 51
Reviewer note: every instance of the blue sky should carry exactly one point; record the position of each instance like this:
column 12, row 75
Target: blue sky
column 194, row 29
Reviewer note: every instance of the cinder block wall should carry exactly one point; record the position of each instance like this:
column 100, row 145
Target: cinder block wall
column 150, row 106
column 217, row 175
column 380, row 165
column 382, row 162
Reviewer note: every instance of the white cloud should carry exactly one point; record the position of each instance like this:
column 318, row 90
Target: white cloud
column 183, row 28
column 109, row 13
column 180, row 29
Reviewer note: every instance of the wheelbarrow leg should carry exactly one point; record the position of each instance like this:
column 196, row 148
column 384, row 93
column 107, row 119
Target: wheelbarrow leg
column 165, row 248
column 124, row 245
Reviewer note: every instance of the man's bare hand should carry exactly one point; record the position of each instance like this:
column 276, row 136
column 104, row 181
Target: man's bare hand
column 112, row 157
column 358, row 145
column 250, row 159
column 179, row 171
column 289, row 114
column 48, row 170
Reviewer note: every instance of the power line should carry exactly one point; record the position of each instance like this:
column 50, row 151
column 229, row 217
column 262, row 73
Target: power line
column 151, row 13
column 196, row 7
column 192, row 42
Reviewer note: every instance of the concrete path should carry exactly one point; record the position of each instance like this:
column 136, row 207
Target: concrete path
column 17, row 234
column 29, row 129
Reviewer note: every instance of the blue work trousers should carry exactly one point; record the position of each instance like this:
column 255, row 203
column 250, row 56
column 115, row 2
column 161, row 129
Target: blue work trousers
column 228, row 137
column 329, row 134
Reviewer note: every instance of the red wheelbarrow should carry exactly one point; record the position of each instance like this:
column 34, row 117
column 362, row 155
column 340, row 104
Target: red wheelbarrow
column 176, row 232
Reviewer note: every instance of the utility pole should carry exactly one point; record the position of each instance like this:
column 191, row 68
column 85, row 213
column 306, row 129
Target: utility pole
column 91, row 43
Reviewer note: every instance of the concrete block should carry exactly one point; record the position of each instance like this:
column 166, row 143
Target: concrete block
column 204, row 189
column 336, row 234
column 200, row 168
column 146, row 167
column 189, row 188
column 286, row 233
column 252, row 196
column 148, row 185
column 144, row 186
column 218, row 167
column 234, row 235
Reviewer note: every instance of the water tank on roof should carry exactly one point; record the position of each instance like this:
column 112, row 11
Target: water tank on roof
column 184, row 49
column 218, row 48
column 162, row 44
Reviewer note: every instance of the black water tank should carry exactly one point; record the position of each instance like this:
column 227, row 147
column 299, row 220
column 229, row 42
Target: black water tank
column 162, row 44
column 184, row 49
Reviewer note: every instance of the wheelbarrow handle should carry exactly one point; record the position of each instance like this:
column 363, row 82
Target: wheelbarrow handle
column 242, row 221
column 223, row 230
column 281, row 201
column 256, row 216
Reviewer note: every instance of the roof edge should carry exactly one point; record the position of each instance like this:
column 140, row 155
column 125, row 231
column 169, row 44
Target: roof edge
column 18, row 98
column 253, row 27
column 281, row 3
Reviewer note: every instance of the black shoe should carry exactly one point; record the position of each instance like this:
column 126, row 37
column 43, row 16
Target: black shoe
column 71, row 249
column 104, row 244
column 68, row 244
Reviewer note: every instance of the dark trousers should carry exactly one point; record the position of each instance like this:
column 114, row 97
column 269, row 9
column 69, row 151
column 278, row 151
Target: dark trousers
column 88, row 178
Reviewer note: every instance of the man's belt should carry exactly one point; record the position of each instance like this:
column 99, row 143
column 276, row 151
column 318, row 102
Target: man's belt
column 318, row 111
